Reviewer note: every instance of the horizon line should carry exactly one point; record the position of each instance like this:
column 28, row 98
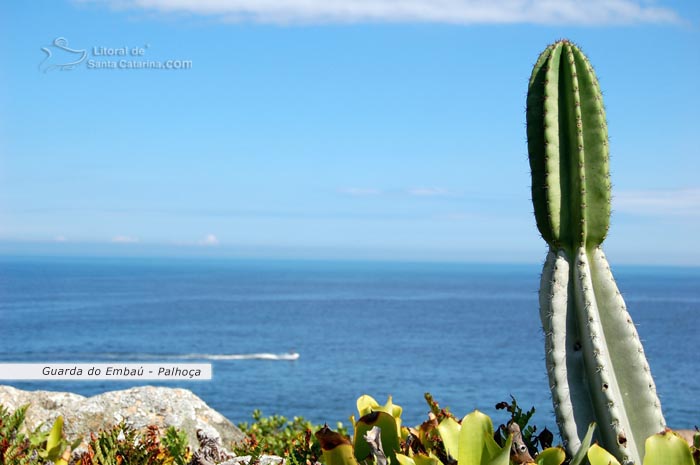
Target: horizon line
column 39, row 255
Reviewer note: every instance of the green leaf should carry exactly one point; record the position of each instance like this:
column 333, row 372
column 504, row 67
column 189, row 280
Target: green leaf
column 585, row 445
column 449, row 433
column 418, row 459
column 55, row 436
column 336, row 449
column 37, row 437
column 366, row 404
column 476, row 443
column 392, row 409
column 421, row 459
column 502, row 456
column 667, row 449
column 389, row 435
column 55, row 452
column 599, row 456
column 339, row 455
column 405, row 459
column 551, row 456
column 74, row 445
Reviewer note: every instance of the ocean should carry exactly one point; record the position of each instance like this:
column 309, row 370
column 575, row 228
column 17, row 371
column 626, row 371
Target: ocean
column 467, row 333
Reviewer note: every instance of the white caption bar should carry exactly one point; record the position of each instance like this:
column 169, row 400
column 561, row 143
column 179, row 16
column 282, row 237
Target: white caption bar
column 105, row 371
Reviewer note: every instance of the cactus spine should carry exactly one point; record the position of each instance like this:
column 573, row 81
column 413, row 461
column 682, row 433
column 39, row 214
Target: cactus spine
column 595, row 361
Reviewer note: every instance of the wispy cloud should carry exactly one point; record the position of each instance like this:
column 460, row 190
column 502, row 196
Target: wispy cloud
column 360, row 191
column 125, row 240
column 429, row 192
column 209, row 240
column 568, row 12
column 60, row 239
column 659, row 202
column 412, row 192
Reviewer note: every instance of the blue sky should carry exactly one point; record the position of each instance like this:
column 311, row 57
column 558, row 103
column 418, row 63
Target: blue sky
column 372, row 129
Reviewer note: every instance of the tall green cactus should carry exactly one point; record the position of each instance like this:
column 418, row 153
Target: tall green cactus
column 595, row 361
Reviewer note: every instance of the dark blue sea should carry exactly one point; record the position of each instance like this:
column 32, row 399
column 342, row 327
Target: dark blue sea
column 469, row 334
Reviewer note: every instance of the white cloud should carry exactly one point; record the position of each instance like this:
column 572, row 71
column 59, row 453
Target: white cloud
column 125, row 240
column 209, row 240
column 659, row 202
column 60, row 239
column 566, row 12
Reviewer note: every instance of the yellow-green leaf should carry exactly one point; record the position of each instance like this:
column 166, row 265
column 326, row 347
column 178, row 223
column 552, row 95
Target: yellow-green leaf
column 449, row 433
column 421, row 459
column 337, row 449
column 392, row 409
column 366, row 404
column 551, row 456
column 585, row 444
column 599, row 456
column 339, row 455
column 74, row 445
column 502, row 455
column 389, row 435
column 405, row 460
column 667, row 449
column 54, row 440
column 418, row 459
column 476, row 443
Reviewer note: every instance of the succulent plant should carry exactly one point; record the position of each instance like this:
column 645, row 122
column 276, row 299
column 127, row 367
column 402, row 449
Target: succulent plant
column 595, row 361
column 666, row 448
column 442, row 440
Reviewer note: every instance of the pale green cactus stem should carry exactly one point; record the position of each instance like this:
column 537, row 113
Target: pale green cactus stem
column 595, row 361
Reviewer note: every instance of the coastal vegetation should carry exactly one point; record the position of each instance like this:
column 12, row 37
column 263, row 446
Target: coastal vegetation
column 277, row 435
column 120, row 444
column 379, row 438
column 443, row 439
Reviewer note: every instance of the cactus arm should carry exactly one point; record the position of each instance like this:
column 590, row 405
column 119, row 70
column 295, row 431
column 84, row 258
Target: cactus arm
column 632, row 373
column 600, row 370
column 564, row 357
column 567, row 143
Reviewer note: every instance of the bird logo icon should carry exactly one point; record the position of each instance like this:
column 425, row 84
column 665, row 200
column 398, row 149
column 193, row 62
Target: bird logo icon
column 59, row 56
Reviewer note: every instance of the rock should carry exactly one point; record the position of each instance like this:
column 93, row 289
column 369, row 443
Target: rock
column 211, row 453
column 139, row 407
column 263, row 460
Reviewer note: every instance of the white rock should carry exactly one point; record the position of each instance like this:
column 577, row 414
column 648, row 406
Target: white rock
column 139, row 407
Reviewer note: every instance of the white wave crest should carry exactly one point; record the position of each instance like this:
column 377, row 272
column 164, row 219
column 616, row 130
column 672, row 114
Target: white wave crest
column 288, row 356
column 258, row 356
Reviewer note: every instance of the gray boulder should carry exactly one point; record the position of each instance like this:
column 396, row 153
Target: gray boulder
column 139, row 407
